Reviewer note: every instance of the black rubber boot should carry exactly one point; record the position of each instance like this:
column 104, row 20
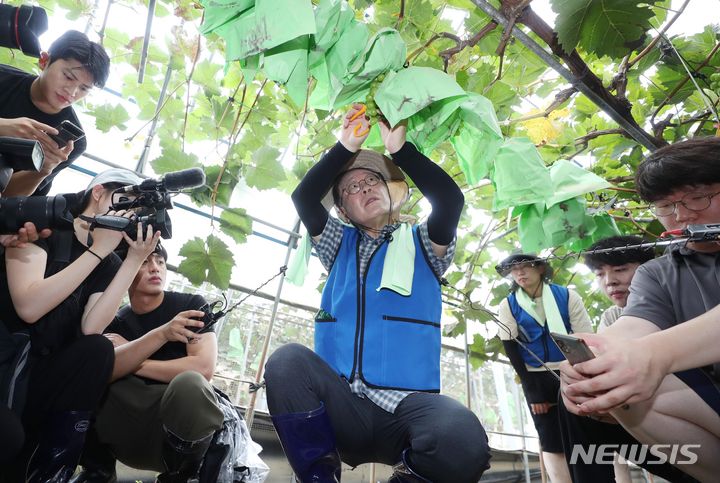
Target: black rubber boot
column 309, row 443
column 182, row 459
column 403, row 473
column 97, row 461
column 61, row 443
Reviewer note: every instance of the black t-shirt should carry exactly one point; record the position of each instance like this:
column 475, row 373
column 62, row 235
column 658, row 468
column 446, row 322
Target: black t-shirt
column 134, row 326
column 62, row 324
column 15, row 102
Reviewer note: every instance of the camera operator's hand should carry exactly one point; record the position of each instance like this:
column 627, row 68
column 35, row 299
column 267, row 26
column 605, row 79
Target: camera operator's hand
column 105, row 240
column 27, row 234
column 140, row 248
column 176, row 330
column 54, row 155
column 26, row 128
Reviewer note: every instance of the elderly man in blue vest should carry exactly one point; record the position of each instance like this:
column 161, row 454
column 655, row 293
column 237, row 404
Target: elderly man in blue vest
column 534, row 309
column 369, row 392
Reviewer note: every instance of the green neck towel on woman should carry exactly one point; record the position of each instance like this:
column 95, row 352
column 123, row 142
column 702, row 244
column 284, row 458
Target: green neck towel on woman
column 552, row 312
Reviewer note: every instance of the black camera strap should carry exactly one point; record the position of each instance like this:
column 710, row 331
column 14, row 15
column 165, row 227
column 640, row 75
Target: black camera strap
column 214, row 317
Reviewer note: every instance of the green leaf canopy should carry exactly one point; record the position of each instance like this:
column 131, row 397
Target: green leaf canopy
column 604, row 27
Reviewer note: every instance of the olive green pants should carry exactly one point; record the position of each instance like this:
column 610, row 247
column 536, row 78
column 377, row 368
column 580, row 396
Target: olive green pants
column 133, row 417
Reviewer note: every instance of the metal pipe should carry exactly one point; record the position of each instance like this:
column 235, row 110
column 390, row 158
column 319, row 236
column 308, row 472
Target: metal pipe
column 466, row 353
column 91, row 17
column 637, row 134
column 140, row 167
column 519, row 406
column 250, row 411
column 146, row 41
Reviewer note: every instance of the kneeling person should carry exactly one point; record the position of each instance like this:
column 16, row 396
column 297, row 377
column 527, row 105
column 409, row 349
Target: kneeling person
column 160, row 413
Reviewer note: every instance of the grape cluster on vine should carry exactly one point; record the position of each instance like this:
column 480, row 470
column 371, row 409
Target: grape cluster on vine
column 372, row 111
column 715, row 82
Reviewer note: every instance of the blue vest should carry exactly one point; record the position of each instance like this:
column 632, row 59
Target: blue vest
column 389, row 340
column 537, row 337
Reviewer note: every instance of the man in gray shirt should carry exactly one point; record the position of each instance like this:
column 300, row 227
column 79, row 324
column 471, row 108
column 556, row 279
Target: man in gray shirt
column 639, row 375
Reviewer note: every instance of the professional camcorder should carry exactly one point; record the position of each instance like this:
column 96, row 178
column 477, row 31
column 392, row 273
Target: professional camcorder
column 150, row 201
column 21, row 26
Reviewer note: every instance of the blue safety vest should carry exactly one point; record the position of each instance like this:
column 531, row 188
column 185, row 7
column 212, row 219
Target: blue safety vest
column 535, row 336
column 389, row 340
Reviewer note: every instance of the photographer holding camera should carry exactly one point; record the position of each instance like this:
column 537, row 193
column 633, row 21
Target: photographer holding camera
column 160, row 412
column 34, row 106
column 64, row 291
column 10, row 425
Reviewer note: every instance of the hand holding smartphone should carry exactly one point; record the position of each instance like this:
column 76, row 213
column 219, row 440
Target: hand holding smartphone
column 573, row 348
column 67, row 131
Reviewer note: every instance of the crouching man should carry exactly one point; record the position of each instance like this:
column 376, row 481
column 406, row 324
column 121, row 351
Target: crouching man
column 160, row 412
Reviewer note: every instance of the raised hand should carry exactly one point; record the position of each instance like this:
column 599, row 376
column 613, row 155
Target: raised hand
column 140, row 248
column 393, row 138
column 355, row 128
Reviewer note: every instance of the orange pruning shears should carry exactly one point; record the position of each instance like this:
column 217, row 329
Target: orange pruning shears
column 358, row 131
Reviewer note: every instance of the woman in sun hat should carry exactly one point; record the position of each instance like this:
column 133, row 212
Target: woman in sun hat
column 60, row 293
column 535, row 308
column 369, row 390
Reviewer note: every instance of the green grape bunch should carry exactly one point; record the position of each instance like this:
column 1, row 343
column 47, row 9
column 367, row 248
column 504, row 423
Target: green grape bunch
column 715, row 82
column 372, row 112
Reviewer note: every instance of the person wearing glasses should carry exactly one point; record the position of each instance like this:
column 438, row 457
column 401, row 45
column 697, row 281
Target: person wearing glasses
column 369, row 390
column 33, row 106
column 656, row 369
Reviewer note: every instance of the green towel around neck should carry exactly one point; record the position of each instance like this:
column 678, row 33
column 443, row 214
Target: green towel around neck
column 399, row 266
column 298, row 266
column 552, row 312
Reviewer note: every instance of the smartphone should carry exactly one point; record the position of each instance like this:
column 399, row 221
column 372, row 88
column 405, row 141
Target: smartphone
column 573, row 348
column 67, row 131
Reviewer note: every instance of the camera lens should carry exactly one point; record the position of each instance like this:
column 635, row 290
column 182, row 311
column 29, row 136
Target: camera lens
column 21, row 26
column 43, row 211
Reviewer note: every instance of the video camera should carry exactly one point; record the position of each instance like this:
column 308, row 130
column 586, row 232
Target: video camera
column 21, row 26
column 150, row 201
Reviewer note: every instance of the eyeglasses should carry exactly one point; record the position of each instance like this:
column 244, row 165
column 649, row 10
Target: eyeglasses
column 522, row 266
column 355, row 187
column 691, row 201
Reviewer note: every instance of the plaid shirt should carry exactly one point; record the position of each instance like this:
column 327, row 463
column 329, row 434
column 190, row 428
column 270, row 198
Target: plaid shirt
column 327, row 249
